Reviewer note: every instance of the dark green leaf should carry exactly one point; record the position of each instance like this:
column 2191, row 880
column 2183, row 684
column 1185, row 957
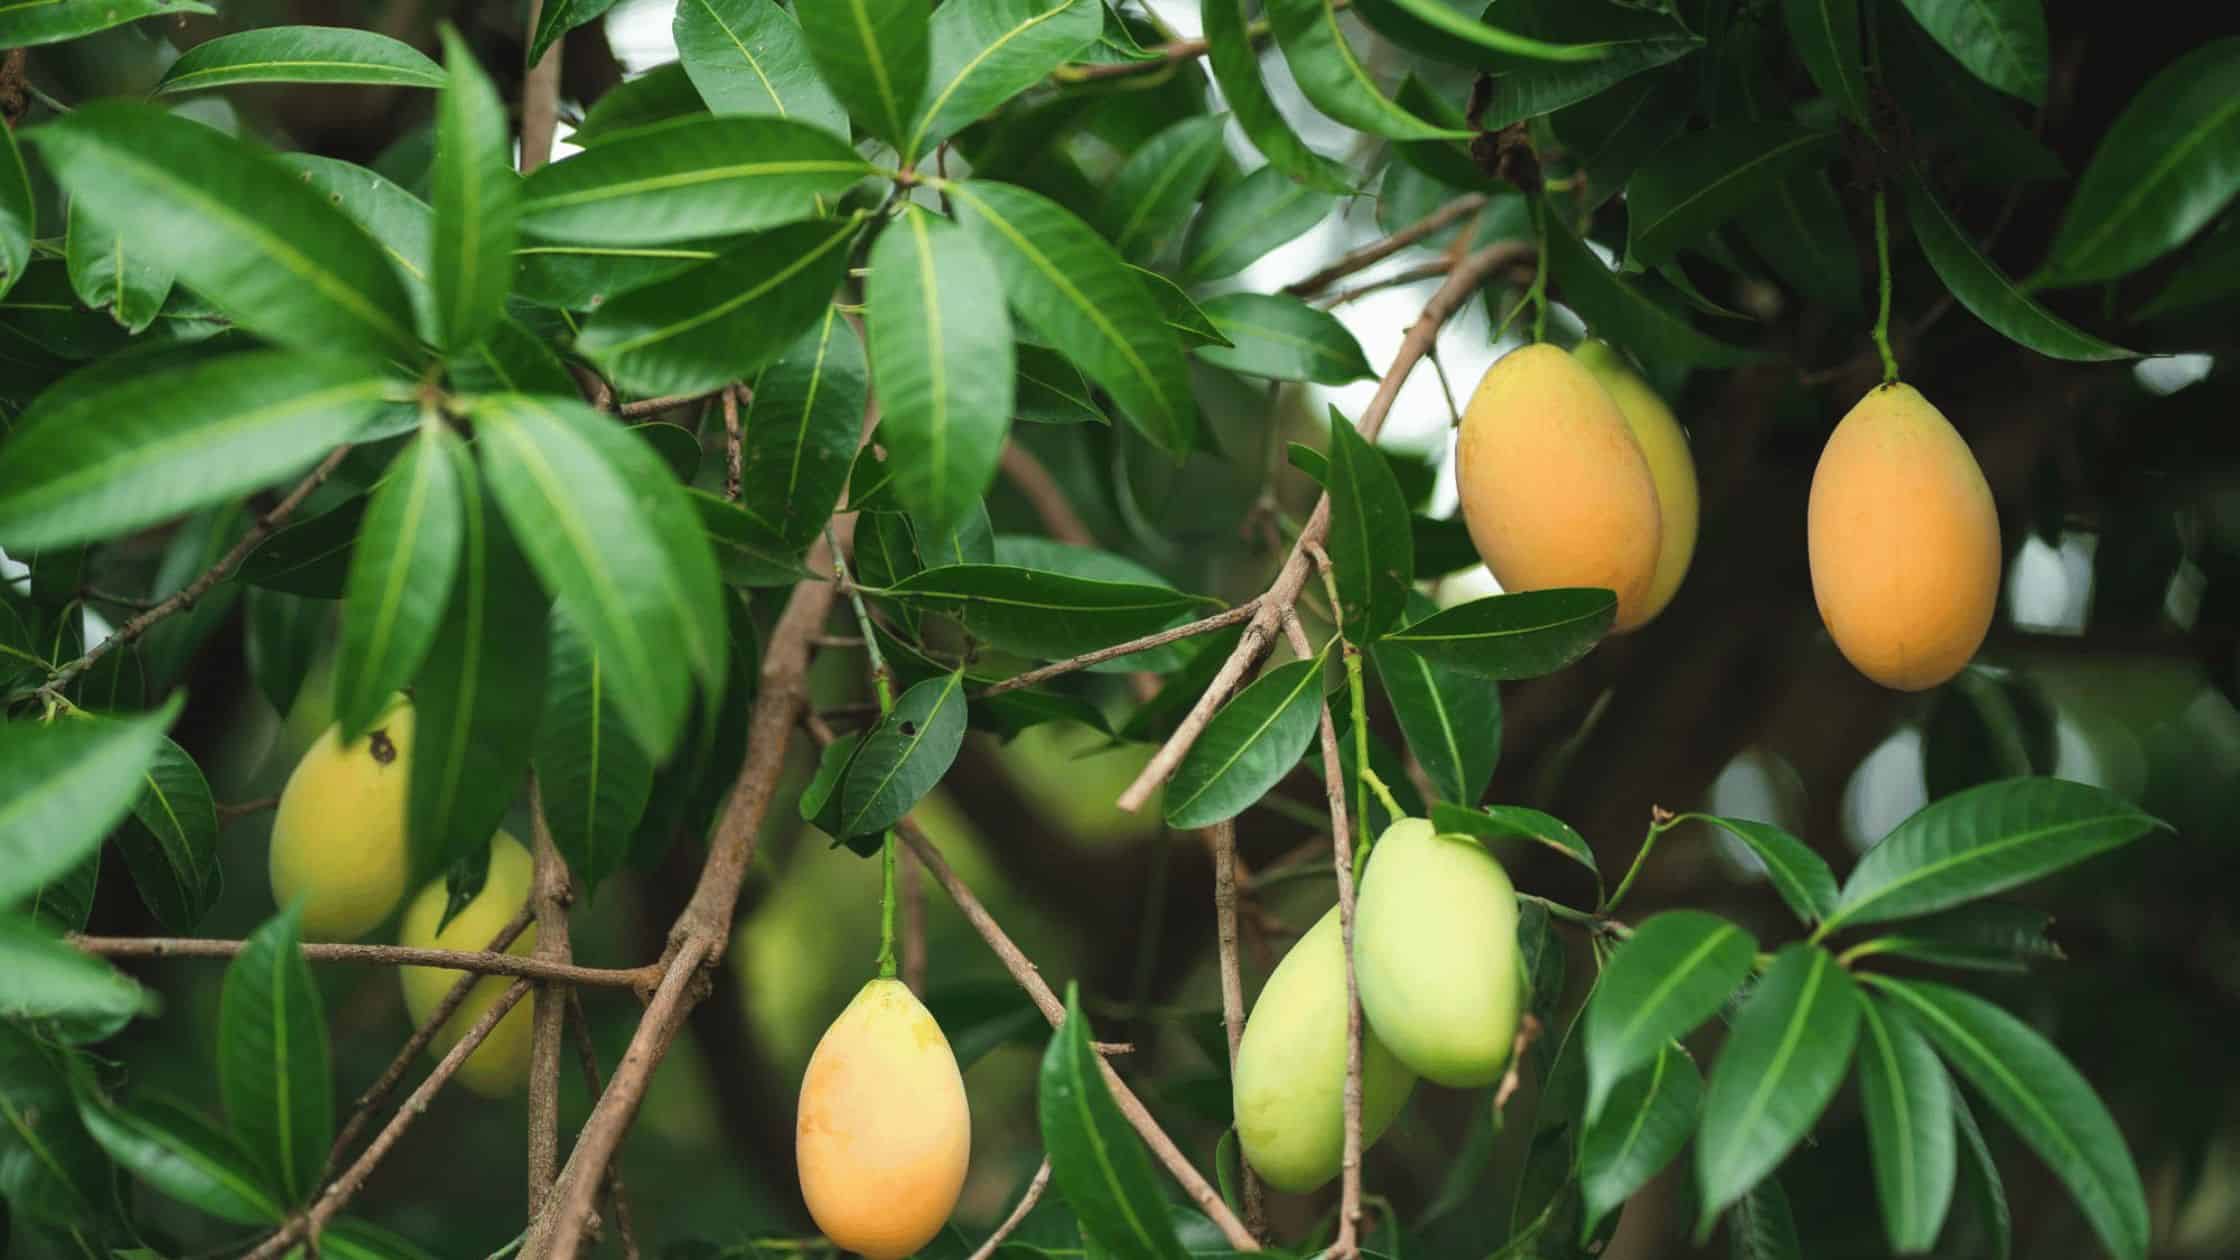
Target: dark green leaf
column 510, row 360
column 1798, row 874
column 1051, row 390
column 1631, row 40
column 1243, row 222
column 282, row 636
column 51, row 1172
column 272, row 1059
column 1500, row 822
column 984, row 52
column 1674, row 971
column 309, row 558
column 1282, row 338
column 18, row 212
column 1236, row 68
column 1371, row 556
column 400, row 577
column 722, row 320
column 2211, row 274
column 1983, row 841
column 1076, row 292
column 592, row 778
column 346, row 1239
column 660, row 95
column 111, row 269
column 558, row 18
column 1984, row 936
column 55, row 20
column 748, row 57
column 1986, row 290
column 801, row 429
column 873, row 55
column 171, row 841
column 1330, row 74
column 746, row 552
column 1251, row 743
column 400, row 223
column 1980, row 1177
column 689, row 178
column 1800, row 230
column 2049, row 1104
column 1155, row 190
column 1441, row 19
column 1647, row 1121
column 1825, row 34
column 1188, row 320
column 1908, row 1102
column 43, row 978
column 1761, row 1226
column 1619, row 310
column 1699, row 181
column 183, row 1156
column 1789, row 1049
column 1452, row 721
column 820, row 798
column 235, row 224
column 300, row 54
column 63, row 784
column 1513, row 636
column 477, row 197
column 903, row 756
column 583, row 277
column 1095, row 1158
column 65, row 902
column 1044, row 614
column 2002, row 42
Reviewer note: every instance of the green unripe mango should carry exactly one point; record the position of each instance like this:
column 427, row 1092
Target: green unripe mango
column 1435, row 954
column 1291, row 1068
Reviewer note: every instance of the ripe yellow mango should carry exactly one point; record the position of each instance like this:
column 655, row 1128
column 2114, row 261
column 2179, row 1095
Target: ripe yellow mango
column 1435, row 953
column 1554, row 487
column 1670, row 466
column 1291, row 1068
column 883, row 1133
column 500, row 1065
column 338, row 838
column 1904, row 541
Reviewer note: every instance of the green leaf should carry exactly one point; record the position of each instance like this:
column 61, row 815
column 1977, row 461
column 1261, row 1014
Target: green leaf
column 514, row 360
column 1620, row 311
column 1452, row 721
column 801, row 429
column 903, row 756
column 347, row 1239
column 1501, row 822
column 63, row 785
column 1980, row 1177
column 51, row 1172
column 1800, row 231
column 1244, row 221
column 1825, row 34
column 477, row 695
column 722, row 320
column 1096, row 1160
column 300, row 54
column 1044, row 614
column 182, row 1156
column 1371, row 553
column 613, row 538
column 689, row 178
column 399, row 222
column 51, row 21
column 2002, row 42
column 112, row 269
column 1788, row 1051
column 65, row 902
column 1983, row 841
column 1989, row 294
column 1983, row 936
column 583, row 277
column 166, row 443
column 1251, row 743
column 41, row 977
column 1798, row 874
column 662, row 94
column 1647, row 1121
column 308, row 558
column 400, row 577
column 748, row 57
column 1908, row 1103
column 1505, row 637
column 1669, row 976
column 1188, row 320
column 1236, row 68
column 1701, row 180
column 1074, row 290
column 2211, row 274
column 941, row 354
column 18, row 212
column 1280, row 337
column 1331, row 76
column 873, row 55
column 2167, row 166
column 747, row 553
column 272, row 1059
column 1156, row 189
column 2037, row 1091
column 477, row 197
column 984, row 52
column 558, row 18
column 592, row 778
column 1762, row 1227
column 170, row 843
column 282, row 636
column 235, row 224
column 1631, row 40
column 820, row 797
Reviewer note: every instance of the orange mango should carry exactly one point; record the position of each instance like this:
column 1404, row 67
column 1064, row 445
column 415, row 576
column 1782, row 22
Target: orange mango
column 1670, row 466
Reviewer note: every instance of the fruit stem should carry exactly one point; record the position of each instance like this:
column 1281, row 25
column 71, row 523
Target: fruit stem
column 1539, row 293
column 1882, row 261
column 1656, row 828
column 882, row 682
column 886, row 908
column 1369, row 776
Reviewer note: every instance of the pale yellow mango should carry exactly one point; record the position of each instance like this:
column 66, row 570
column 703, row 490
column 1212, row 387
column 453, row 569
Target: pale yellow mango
column 338, row 838
column 501, row 1064
column 1671, row 466
column 883, row 1133
column 1904, row 541
column 1435, row 954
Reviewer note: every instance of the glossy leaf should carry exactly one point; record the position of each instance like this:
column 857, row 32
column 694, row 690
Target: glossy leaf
column 1236, row 68
column 662, row 94
column 41, row 977
column 872, row 53
column 112, row 269
column 941, row 354
column 1797, row 873
column 1617, row 308
column 1157, row 188
column 1979, row 1178
column 1908, row 1103
column 2002, row 42
column 63, row 784
column 1096, row 1161
column 1669, row 976
column 53, row 1174
column 2048, row 1103
column 170, row 843
column 801, row 429
column 1504, row 637
column 1452, row 721
column 402, row 224
column 1630, row 40
column 583, row 277
column 747, row 552
column 300, row 54
column 1701, row 180
column 18, row 212
column 272, row 1059
column 721, row 320
column 1989, row 294
column 689, row 178
column 1251, row 743
column 903, row 756
column 309, row 557
column 558, row 18
column 1650, row 1116
column 1762, row 1225
column 1189, row 321
column 1245, row 221
column 22, row 25
column 400, row 577
column 984, row 52
column 1331, row 76
column 182, row 1156
column 1825, row 34
column 1280, row 337
column 748, row 57
column 477, row 197
column 1501, row 822
column 1370, row 556
column 1073, row 290
column 1983, row 936
column 1800, row 230
column 1983, row 841
column 513, row 360
column 235, row 224
column 592, row 778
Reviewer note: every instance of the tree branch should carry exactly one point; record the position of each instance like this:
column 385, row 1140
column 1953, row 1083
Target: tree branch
column 549, row 898
column 1011, row 1223
column 733, row 458
column 1221, row 840
column 1031, row 478
column 1377, row 251
column 1043, row 673
column 667, row 402
column 587, row 1055
column 913, row 886
column 540, row 98
column 479, row 962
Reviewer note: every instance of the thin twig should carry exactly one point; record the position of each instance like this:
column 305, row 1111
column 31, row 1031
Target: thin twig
column 1406, row 275
column 1043, row 673
column 733, row 457
column 338, row 1193
column 1284, row 591
column 549, row 896
column 133, row 602
column 1221, row 839
column 229, row 810
column 667, row 402
column 540, row 99
column 913, row 924
column 1378, row 250
column 1018, row 1214
column 1032, row 478
column 185, row 597
column 479, row 962
column 618, row 1203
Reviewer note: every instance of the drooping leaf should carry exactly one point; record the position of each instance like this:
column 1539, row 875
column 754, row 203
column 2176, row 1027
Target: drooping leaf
column 1280, row 337
column 1800, row 231
column 984, row 52
column 23, row 25
column 1330, row 74
column 477, row 197
column 1762, row 1226
column 1908, row 1102
column 687, row 179
column 1501, row 822
column 1630, row 41
column 1648, row 1120
column 41, row 977
column 272, row 1059
column 1617, row 308
column 1371, row 558
column 1798, row 874
column 182, row 1156
column 801, row 429
column 282, row 637
column 592, row 777
column 308, row 557
column 1251, row 743
column 747, row 552
column 1236, row 68
column 1981, row 936
column 1452, row 721
column 1504, row 637
column 1096, row 1160
column 872, row 53
column 1825, row 34
column 112, row 269
column 1157, row 188
column 170, row 843
column 2002, row 42
column 1699, row 181
column 300, row 54
column 1044, row 614
column 1668, row 977
column 1989, row 294
column 63, row 784
column 903, row 756
column 400, row 577
column 1979, row 1178
column 558, row 18
column 52, row 1173
column 1244, row 221
column 748, row 57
